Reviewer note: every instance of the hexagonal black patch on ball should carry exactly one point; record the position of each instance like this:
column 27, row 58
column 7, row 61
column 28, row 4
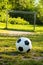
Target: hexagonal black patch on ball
column 26, row 42
column 20, row 48
column 28, row 50
column 18, row 40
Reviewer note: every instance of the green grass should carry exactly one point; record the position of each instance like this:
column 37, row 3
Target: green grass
column 10, row 56
column 22, row 27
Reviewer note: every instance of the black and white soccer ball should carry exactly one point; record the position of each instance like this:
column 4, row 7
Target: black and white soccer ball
column 23, row 44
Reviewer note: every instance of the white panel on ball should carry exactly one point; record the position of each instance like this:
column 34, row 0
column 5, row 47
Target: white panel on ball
column 23, row 44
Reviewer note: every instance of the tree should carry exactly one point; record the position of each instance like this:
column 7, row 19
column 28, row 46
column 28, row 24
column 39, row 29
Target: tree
column 39, row 10
column 24, row 4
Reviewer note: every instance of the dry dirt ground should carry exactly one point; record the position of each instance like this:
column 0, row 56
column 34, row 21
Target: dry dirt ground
column 15, row 33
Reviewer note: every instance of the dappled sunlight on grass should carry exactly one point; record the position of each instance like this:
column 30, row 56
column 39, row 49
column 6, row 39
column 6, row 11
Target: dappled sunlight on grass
column 10, row 56
column 7, row 49
column 21, row 27
column 39, row 28
column 2, row 25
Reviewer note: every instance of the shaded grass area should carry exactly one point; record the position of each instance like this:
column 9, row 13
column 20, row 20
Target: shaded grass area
column 10, row 56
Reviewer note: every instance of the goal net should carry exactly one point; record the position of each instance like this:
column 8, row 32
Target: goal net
column 23, row 14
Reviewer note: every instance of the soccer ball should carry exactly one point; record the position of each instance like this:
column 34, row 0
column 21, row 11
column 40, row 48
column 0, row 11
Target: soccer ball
column 23, row 44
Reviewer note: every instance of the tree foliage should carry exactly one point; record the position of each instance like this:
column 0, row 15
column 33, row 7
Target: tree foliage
column 26, row 5
column 39, row 9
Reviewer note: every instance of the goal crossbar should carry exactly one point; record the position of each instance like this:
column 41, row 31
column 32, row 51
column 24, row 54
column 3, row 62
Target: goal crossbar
column 24, row 12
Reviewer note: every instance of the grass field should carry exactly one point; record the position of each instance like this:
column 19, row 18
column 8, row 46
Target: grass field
column 22, row 27
column 10, row 56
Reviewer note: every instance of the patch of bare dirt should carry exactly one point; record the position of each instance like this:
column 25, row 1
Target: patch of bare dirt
column 34, row 58
column 15, row 33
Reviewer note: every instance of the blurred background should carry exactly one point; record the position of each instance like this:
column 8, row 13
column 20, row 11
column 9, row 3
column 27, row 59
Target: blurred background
column 9, row 17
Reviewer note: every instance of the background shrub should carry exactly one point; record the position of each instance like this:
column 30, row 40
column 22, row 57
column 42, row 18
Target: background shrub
column 18, row 20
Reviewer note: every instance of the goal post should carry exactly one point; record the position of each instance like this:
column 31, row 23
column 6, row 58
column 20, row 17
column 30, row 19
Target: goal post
column 22, row 12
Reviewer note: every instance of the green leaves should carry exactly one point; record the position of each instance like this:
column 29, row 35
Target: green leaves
column 27, row 5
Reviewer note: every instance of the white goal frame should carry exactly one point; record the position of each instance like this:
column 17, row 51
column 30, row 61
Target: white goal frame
column 22, row 12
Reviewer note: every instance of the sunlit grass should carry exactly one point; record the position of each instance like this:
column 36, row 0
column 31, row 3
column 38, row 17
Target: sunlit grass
column 22, row 27
column 10, row 56
column 2, row 25
column 39, row 28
